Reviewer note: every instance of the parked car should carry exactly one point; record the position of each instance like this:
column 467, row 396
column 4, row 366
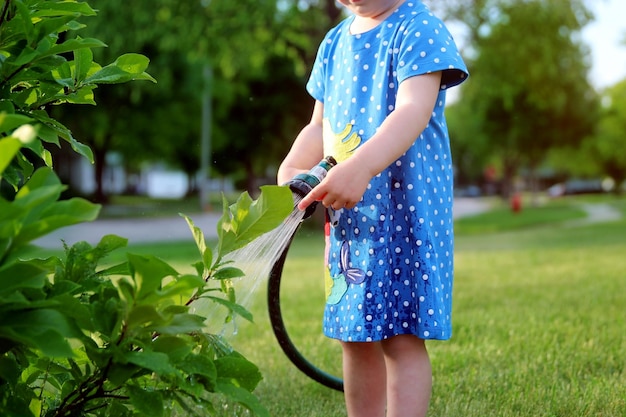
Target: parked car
column 581, row 186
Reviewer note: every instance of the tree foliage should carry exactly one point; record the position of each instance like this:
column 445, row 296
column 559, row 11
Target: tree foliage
column 607, row 147
column 258, row 53
column 35, row 73
column 529, row 89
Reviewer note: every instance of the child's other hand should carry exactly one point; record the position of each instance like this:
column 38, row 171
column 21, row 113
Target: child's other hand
column 343, row 187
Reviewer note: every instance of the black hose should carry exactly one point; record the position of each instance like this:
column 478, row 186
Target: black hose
column 278, row 325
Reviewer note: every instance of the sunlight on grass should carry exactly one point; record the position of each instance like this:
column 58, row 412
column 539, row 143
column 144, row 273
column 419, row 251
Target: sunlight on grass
column 538, row 325
column 502, row 218
column 538, row 320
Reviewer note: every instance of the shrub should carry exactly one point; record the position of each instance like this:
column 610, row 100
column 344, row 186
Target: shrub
column 79, row 337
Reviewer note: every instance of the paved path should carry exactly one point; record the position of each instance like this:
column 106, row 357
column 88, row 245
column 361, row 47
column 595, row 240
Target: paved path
column 141, row 230
column 137, row 230
column 596, row 213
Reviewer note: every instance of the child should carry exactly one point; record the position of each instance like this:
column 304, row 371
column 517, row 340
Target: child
column 379, row 84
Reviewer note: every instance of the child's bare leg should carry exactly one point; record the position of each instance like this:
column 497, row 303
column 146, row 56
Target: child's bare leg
column 409, row 376
column 364, row 379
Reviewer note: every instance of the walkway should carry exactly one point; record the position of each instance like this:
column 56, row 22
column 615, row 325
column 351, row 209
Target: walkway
column 596, row 213
column 142, row 230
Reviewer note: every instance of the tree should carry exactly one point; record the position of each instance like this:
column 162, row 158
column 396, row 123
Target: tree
column 607, row 146
column 529, row 89
column 241, row 42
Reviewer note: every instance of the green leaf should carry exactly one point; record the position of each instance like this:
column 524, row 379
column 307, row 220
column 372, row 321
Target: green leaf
column 21, row 275
column 83, row 95
column 199, row 365
column 119, row 373
column 243, row 397
column 246, row 220
column 234, row 307
column 148, row 402
column 198, row 236
column 57, row 215
column 176, row 348
column 38, row 149
column 126, row 290
column 154, row 361
column 62, row 77
column 126, row 68
column 75, row 44
column 143, row 315
column 46, row 28
column 43, row 329
column 239, row 370
column 148, row 273
column 180, row 323
column 9, row 370
column 178, row 290
column 27, row 55
column 110, row 243
column 9, row 122
column 8, row 148
column 27, row 25
column 55, row 127
column 56, row 8
column 228, row 272
column 119, row 269
column 83, row 58
column 45, row 181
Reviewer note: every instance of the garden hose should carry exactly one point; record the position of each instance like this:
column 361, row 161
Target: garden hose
column 278, row 325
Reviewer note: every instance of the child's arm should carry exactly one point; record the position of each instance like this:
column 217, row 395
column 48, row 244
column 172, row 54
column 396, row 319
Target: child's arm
column 345, row 184
column 307, row 149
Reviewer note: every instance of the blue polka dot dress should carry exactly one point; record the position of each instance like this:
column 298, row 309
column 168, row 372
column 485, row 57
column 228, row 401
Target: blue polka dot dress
column 389, row 260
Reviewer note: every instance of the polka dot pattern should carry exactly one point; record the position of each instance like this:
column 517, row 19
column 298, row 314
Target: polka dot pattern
column 395, row 248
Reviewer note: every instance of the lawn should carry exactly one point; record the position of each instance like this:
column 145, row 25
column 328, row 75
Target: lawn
column 538, row 320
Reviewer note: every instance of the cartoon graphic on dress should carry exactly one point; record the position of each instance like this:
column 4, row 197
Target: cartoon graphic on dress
column 347, row 276
column 340, row 145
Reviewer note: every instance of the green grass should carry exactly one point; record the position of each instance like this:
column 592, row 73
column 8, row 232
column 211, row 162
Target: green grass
column 538, row 323
column 539, row 320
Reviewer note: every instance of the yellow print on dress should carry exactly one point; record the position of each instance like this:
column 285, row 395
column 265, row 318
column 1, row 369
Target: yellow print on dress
column 341, row 145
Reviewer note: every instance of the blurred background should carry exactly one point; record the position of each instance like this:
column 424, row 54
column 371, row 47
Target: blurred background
column 544, row 111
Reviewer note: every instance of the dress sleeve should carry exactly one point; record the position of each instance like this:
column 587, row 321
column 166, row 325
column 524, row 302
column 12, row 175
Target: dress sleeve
column 316, row 85
column 427, row 46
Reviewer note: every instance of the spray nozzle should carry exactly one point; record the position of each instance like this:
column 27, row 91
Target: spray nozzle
column 302, row 184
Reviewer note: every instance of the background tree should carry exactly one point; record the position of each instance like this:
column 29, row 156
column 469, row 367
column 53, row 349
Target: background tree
column 607, row 146
column 259, row 55
column 529, row 90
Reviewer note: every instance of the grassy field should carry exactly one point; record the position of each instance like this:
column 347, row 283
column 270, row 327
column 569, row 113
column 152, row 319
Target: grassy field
column 539, row 320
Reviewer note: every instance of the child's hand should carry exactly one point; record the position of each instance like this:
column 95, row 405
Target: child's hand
column 343, row 187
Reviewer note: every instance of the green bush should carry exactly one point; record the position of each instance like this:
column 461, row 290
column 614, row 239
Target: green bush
column 78, row 338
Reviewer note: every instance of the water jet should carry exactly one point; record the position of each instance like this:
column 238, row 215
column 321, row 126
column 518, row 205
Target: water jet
column 300, row 186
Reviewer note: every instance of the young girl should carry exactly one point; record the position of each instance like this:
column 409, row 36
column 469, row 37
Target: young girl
column 379, row 84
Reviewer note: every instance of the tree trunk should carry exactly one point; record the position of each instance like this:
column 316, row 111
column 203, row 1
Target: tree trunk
column 99, row 165
column 509, row 171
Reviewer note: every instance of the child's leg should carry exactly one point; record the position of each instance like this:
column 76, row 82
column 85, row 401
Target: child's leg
column 409, row 376
column 364, row 379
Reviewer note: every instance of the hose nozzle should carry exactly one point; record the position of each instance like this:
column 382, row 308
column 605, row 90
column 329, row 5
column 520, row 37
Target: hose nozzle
column 302, row 184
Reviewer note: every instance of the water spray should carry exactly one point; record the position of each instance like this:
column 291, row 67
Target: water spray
column 300, row 186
